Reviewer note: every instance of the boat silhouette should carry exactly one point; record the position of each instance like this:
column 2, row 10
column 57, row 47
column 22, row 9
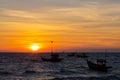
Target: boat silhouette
column 71, row 55
column 54, row 58
column 100, row 65
column 5, row 73
column 83, row 55
column 29, row 72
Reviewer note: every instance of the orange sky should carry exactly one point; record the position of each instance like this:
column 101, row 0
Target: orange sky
column 73, row 26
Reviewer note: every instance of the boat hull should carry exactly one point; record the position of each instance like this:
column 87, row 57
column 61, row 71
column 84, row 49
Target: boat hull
column 97, row 67
column 51, row 60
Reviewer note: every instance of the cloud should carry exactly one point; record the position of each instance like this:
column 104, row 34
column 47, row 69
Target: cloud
column 18, row 13
column 68, row 13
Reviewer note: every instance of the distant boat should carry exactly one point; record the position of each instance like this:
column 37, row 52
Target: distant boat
column 35, row 60
column 83, row 55
column 29, row 72
column 5, row 73
column 100, row 65
column 71, row 55
column 54, row 58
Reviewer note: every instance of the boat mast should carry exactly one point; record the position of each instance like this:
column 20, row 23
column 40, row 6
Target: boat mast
column 51, row 47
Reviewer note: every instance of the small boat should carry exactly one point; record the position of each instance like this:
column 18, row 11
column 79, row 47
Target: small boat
column 35, row 60
column 54, row 58
column 71, row 55
column 5, row 73
column 100, row 65
column 29, row 72
column 83, row 55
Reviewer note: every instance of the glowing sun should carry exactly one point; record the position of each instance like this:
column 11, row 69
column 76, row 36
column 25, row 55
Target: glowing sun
column 35, row 47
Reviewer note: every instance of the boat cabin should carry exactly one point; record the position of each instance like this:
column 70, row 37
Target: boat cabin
column 101, row 61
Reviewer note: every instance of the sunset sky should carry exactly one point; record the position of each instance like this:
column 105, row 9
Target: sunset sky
column 72, row 25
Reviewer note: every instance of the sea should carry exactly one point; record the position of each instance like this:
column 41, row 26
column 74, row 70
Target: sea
column 28, row 66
